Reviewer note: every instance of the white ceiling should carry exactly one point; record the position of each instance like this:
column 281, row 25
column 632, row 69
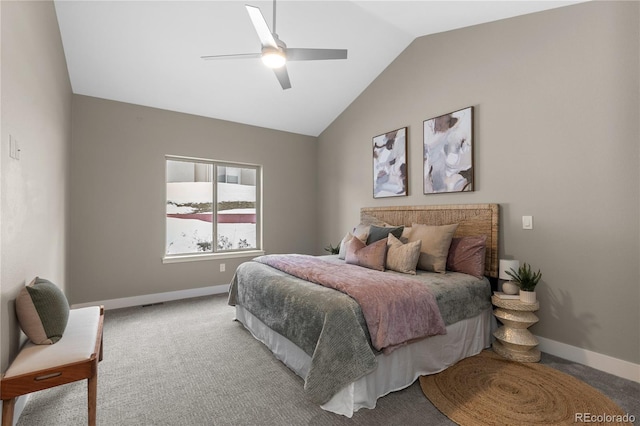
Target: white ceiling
column 148, row 52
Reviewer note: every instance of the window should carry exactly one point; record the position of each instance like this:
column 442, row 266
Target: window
column 213, row 208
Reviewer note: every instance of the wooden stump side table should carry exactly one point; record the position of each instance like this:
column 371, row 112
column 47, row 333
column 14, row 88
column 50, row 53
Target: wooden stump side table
column 514, row 341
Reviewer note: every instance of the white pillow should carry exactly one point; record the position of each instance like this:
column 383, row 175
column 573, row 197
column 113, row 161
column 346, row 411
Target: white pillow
column 343, row 244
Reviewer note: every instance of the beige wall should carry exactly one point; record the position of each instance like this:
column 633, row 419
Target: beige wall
column 556, row 97
column 36, row 110
column 118, row 195
column 557, row 130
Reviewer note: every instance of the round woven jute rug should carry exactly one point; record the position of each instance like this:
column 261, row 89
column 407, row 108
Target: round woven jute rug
column 487, row 389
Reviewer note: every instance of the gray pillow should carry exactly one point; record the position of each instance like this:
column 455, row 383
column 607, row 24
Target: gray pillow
column 377, row 233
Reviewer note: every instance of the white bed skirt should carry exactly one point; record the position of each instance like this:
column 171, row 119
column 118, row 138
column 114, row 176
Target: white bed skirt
column 395, row 371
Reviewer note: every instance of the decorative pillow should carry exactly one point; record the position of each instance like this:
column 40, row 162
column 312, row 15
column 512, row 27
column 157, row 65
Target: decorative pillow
column 361, row 231
column 371, row 256
column 467, row 255
column 435, row 245
column 377, row 233
column 43, row 311
column 402, row 257
column 406, row 233
column 343, row 244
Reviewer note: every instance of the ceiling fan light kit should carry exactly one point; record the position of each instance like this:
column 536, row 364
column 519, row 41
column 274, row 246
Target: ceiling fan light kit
column 274, row 53
column 273, row 58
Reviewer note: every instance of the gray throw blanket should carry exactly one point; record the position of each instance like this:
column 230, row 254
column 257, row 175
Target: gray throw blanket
column 397, row 309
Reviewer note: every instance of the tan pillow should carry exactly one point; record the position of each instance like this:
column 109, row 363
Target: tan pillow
column 371, row 256
column 402, row 257
column 406, row 233
column 435, row 245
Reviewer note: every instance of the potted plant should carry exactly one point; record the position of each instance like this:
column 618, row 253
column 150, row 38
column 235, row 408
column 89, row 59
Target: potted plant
column 527, row 282
column 332, row 250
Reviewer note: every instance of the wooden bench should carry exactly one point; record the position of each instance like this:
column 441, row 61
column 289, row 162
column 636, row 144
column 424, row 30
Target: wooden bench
column 74, row 357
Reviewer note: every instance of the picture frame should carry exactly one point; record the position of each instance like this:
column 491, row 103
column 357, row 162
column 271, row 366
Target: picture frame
column 390, row 177
column 448, row 153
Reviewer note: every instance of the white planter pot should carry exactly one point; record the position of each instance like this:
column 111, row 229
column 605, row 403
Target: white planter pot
column 527, row 296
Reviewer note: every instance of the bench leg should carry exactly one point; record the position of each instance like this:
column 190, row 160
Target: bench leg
column 101, row 346
column 7, row 411
column 92, row 387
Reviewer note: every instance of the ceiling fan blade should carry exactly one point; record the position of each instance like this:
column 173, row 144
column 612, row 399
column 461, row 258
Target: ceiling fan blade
column 264, row 34
column 283, row 77
column 232, row 56
column 294, row 54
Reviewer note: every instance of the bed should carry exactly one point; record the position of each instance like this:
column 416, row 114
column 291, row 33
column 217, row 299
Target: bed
column 327, row 338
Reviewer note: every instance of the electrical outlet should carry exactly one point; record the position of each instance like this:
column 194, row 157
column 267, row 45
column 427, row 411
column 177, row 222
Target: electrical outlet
column 222, row 267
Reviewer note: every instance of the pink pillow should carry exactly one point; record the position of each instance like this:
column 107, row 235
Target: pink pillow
column 467, row 255
column 372, row 256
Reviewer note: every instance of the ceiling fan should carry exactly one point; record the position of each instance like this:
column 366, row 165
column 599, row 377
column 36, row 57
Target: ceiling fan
column 275, row 53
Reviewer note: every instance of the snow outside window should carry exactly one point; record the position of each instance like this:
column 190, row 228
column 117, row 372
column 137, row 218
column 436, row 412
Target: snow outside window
column 212, row 207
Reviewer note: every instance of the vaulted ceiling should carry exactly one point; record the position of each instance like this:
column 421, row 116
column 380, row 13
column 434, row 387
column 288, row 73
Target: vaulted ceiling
column 148, row 52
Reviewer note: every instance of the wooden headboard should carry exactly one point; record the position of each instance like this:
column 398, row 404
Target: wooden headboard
column 472, row 220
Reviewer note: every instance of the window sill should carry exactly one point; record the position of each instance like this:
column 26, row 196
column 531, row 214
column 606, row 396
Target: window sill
column 211, row 256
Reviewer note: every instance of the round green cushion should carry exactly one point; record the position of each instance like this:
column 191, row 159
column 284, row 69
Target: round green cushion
column 43, row 311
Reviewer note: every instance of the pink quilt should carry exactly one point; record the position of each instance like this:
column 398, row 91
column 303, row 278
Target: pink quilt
column 397, row 309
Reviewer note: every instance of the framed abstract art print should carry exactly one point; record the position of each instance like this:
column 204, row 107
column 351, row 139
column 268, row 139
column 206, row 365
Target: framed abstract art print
column 390, row 164
column 448, row 152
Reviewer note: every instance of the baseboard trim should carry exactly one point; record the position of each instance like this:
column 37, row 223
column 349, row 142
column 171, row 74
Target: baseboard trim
column 149, row 299
column 606, row 363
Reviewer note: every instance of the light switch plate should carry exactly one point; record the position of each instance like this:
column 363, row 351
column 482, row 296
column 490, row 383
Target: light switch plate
column 14, row 148
column 527, row 222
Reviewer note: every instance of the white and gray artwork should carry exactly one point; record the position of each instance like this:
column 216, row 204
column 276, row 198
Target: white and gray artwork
column 448, row 152
column 390, row 164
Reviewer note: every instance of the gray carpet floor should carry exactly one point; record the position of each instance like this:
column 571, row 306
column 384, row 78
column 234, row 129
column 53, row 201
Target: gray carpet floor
column 188, row 363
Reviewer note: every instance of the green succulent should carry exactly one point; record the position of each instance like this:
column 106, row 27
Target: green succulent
column 333, row 250
column 525, row 279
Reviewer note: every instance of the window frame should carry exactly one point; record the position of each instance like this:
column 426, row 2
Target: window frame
column 215, row 254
